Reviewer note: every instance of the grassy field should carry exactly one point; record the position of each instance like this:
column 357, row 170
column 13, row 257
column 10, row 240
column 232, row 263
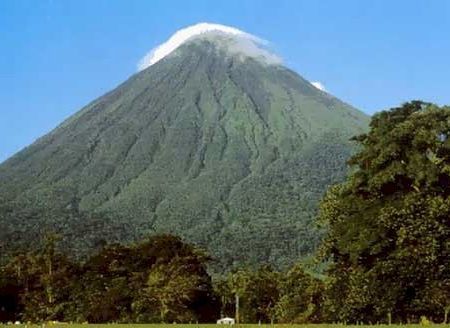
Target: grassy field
column 66, row 325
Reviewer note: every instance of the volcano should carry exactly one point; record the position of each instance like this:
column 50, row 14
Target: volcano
column 213, row 140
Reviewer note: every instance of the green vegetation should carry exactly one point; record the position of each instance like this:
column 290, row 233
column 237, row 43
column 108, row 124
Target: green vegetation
column 231, row 154
column 386, row 243
column 65, row 325
column 158, row 280
column 388, row 225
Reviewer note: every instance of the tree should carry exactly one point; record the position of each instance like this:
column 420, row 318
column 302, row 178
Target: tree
column 104, row 293
column 388, row 224
column 42, row 281
column 159, row 279
column 258, row 292
column 171, row 288
column 10, row 306
column 301, row 297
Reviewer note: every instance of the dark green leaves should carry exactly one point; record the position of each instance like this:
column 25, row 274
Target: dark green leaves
column 388, row 224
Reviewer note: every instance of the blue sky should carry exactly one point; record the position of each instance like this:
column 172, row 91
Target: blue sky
column 58, row 55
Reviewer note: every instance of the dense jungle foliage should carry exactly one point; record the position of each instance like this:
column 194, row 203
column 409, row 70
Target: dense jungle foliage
column 388, row 225
column 161, row 279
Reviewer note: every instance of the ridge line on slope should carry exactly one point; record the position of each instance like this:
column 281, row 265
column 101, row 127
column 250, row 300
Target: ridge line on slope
column 250, row 98
column 154, row 155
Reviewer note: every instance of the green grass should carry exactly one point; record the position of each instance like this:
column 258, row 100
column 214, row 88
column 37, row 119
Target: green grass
column 65, row 325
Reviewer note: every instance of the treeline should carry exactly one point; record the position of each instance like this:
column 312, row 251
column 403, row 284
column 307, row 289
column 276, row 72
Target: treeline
column 161, row 279
column 386, row 251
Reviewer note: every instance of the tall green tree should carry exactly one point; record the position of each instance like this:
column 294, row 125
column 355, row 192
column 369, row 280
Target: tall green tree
column 176, row 284
column 389, row 223
column 43, row 281
column 159, row 279
column 172, row 287
column 301, row 297
column 258, row 293
column 104, row 293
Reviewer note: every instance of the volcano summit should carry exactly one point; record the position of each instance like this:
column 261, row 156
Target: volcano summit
column 213, row 139
column 228, row 38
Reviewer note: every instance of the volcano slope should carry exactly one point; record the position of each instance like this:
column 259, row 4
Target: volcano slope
column 229, row 151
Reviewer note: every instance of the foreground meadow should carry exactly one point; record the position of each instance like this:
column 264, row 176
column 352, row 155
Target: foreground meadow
column 68, row 325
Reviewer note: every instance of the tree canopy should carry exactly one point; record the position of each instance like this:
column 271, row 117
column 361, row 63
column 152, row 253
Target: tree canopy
column 162, row 278
column 388, row 225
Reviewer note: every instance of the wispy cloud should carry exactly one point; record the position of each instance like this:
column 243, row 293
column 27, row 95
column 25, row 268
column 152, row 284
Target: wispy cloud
column 243, row 43
column 319, row 85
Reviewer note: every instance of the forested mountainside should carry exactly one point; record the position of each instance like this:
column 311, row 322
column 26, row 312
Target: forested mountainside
column 227, row 151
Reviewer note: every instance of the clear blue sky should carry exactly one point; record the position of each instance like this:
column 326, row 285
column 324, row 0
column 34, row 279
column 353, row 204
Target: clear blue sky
column 57, row 55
